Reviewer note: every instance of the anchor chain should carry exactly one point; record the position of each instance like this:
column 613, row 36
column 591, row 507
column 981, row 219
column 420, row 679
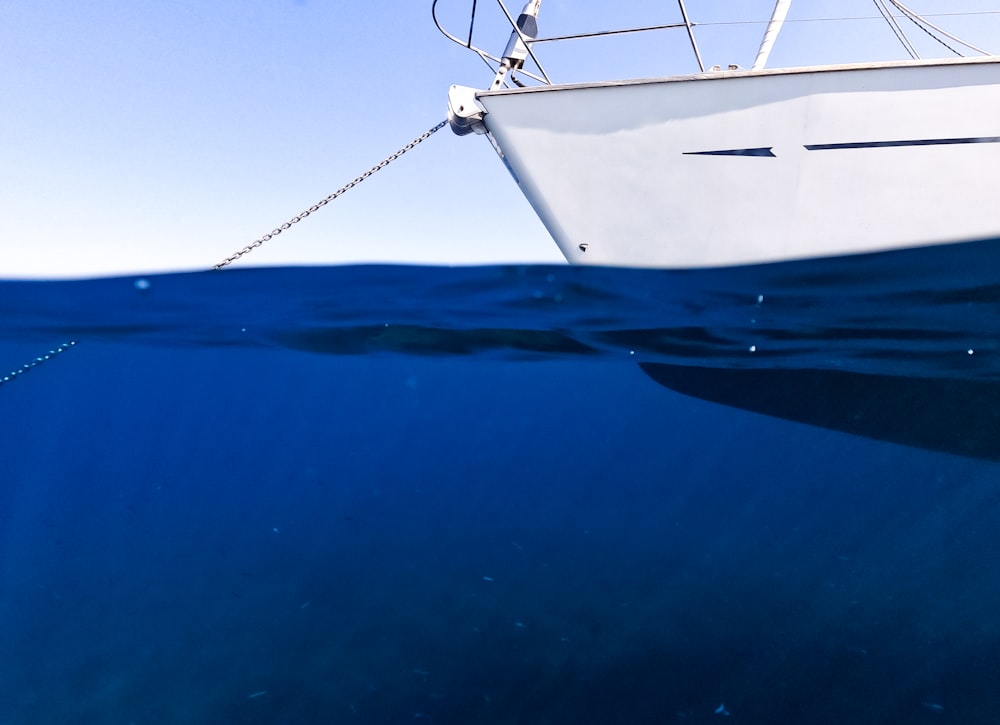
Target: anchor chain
column 320, row 204
column 36, row 362
column 250, row 247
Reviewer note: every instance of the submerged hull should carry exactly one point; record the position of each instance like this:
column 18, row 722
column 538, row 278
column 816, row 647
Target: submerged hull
column 745, row 167
column 897, row 409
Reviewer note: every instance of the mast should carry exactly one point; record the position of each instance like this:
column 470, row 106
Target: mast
column 771, row 34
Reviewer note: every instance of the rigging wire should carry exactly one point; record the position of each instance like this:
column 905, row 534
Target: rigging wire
column 934, row 31
column 851, row 18
column 896, row 29
column 932, row 35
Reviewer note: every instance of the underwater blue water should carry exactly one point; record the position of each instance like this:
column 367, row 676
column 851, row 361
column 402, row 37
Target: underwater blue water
column 417, row 494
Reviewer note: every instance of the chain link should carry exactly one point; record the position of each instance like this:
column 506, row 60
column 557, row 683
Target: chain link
column 320, row 204
column 250, row 247
column 36, row 362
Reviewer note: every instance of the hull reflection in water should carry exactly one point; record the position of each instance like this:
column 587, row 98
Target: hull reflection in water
column 895, row 409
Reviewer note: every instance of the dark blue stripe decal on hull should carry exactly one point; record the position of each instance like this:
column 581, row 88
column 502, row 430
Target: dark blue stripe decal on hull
column 892, row 144
column 734, row 152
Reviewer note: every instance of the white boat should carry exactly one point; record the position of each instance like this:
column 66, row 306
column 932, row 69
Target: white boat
column 741, row 166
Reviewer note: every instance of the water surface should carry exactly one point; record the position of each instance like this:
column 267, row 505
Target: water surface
column 412, row 494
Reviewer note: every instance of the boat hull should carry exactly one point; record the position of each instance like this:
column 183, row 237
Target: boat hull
column 892, row 408
column 745, row 167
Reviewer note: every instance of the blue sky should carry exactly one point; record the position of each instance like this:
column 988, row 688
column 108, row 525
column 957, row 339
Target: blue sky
column 151, row 136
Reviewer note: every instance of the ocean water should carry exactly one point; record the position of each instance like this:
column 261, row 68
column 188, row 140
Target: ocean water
column 433, row 495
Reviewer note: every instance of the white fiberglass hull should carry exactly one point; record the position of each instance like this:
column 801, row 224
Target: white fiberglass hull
column 746, row 167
